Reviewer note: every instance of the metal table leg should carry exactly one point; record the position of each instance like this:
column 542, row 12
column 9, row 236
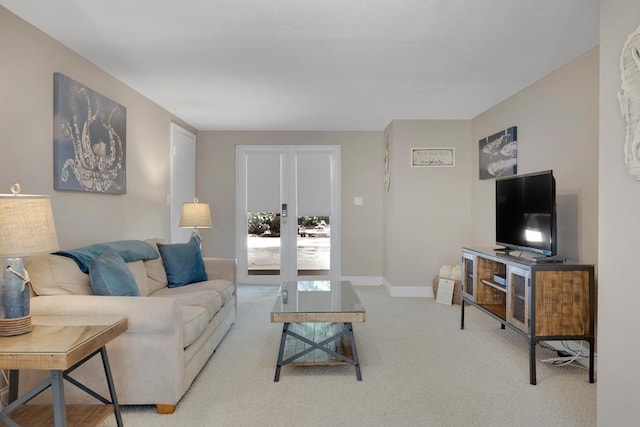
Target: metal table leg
column 532, row 361
column 112, row 387
column 283, row 340
column 354, row 351
column 57, row 390
column 591, row 360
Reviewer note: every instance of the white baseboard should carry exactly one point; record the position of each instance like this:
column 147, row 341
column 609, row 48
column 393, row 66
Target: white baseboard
column 363, row 280
column 408, row 291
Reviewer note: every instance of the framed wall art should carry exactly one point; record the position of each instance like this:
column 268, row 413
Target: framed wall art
column 89, row 139
column 629, row 97
column 499, row 154
column 433, row 157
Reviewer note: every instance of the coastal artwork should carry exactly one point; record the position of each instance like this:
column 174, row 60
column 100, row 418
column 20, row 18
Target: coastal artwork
column 499, row 154
column 89, row 139
column 629, row 97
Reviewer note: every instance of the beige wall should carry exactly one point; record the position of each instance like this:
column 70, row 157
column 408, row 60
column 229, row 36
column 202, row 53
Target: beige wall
column 619, row 232
column 557, row 111
column 361, row 175
column 427, row 208
column 29, row 59
column 557, row 120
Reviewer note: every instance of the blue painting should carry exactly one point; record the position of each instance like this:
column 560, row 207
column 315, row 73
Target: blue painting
column 89, row 139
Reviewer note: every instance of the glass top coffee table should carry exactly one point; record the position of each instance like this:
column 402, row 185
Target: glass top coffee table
column 317, row 317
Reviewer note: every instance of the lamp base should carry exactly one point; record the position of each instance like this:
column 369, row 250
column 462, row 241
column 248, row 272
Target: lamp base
column 17, row 326
column 196, row 235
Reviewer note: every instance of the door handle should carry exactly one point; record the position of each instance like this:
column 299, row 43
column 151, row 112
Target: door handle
column 284, row 210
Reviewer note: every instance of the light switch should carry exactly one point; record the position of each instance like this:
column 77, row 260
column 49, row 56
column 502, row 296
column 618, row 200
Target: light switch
column 358, row 201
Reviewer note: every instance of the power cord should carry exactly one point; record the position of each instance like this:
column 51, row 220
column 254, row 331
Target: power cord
column 566, row 360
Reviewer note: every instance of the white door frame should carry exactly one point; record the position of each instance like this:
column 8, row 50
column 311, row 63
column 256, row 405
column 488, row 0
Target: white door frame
column 288, row 267
column 182, row 187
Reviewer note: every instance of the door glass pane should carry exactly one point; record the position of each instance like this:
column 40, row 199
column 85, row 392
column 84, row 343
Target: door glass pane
column 263, row 243
column 313, row 247
column 468, row 276
column 518, row 303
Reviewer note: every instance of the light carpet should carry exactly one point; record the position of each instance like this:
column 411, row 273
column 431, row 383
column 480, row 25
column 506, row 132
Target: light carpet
column 418, row 367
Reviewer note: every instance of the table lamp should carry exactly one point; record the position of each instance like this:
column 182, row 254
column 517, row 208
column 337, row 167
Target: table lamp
column 26, row 228
column 195, row 215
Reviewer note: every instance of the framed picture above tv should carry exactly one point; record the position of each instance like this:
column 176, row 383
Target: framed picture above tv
column 499, row 154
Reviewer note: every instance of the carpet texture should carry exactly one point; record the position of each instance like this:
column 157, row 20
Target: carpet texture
column 418, row 367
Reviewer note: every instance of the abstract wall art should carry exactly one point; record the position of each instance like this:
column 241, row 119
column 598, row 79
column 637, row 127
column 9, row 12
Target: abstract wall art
column 89, row 139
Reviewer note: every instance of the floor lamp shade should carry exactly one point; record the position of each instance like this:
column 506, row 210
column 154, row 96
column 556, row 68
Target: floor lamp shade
column 26, row 228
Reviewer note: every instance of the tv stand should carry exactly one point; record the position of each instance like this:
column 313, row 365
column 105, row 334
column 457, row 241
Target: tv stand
column 543, row 301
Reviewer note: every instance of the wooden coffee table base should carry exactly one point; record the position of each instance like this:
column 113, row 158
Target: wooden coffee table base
column 318, row 344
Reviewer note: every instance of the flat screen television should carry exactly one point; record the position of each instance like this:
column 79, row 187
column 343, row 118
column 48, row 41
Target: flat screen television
column 526, row 213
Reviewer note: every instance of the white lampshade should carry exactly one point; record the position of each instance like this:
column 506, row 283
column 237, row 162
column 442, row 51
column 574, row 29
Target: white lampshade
column 195, row 215
column 26, row 225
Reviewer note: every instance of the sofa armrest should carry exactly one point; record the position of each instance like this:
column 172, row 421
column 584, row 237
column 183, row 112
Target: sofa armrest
column 145, row 315
column 220, row 268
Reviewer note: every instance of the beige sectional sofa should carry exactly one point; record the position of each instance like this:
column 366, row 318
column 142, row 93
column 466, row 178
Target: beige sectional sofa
column 172, row 331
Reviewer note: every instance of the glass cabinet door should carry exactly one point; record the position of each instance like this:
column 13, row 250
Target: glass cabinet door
column 518, row 291
column 468, row 275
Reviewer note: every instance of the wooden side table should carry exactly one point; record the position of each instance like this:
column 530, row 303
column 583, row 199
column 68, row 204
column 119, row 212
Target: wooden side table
column 59, row 344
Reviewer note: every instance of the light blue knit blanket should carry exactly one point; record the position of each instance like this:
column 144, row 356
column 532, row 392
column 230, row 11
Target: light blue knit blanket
column 129, row 250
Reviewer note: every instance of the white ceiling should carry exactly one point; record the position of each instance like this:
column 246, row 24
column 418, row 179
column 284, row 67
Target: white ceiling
column 320, row 64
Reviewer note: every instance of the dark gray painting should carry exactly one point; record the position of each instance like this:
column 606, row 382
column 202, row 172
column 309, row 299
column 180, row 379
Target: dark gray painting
column 89, row 139
column 499, row 154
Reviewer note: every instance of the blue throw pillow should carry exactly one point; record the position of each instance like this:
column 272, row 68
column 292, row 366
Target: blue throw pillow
column 183, row 263
column 109, row 275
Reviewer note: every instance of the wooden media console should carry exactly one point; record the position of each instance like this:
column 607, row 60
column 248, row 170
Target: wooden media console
column 552, row 301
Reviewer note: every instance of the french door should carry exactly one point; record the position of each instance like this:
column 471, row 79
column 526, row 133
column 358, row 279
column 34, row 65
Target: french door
column 287, row 213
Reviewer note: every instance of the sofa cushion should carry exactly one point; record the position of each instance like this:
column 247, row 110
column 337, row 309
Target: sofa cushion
column 183, row 263
column 140, row 275
column 56, row 275
column 155, row 269
column 194, row 323
column 109, row 275
column 194, row 295
column 224, row 287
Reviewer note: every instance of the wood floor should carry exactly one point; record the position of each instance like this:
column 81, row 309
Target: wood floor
column 77, row 415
